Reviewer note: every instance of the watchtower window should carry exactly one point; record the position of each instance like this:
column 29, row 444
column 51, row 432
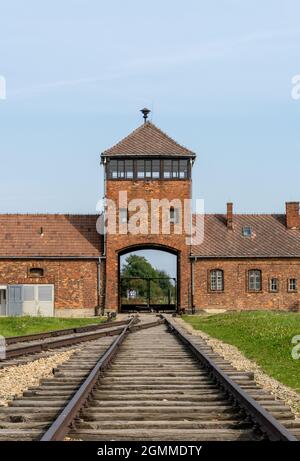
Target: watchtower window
column 121, row 172
column 113, row 169
column 183, row 169
column 176, row 169
column 129, row 169
column 155, row 169
column 148, row 169
column 167, row 169
column 140, row 169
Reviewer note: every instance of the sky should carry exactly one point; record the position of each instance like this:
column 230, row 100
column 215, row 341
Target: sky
column 161, row 260
column 216, row 75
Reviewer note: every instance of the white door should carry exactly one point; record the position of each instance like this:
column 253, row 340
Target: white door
column 15, row 300
column 29, row 299
column 2, row 300
column 45, row 300
column 34, row 300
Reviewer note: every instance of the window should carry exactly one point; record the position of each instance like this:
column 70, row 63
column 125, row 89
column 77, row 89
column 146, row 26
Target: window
column 113, row 169
column 174, row 215
column 155, row 169
column 292, row 285
column 121, row 166
column 247, row 231
column 120, row 169
column 183, row 169
column 123, row 217
column 167, row 169
column 45, row 292
column 148, row 169
column 128, row 169
column 175, row 168
column 216, row 280
column 28, row 293
column 254, row 280
column 140, row 169
column 36, row 272
column 274, row 285
column 15, row 294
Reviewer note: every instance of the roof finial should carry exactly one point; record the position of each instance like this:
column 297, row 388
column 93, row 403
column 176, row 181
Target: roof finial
column 145, row 113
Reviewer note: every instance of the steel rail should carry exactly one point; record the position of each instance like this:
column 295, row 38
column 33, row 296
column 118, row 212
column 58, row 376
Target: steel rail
column 62, row 341
column 66, row 331
column 60, row 427
column 267, row 424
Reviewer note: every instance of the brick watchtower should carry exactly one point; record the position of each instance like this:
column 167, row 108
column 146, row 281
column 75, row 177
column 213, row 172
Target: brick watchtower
column 150, row 166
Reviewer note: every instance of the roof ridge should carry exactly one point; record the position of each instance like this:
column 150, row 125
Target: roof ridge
column 242, row 214
column 49, row 214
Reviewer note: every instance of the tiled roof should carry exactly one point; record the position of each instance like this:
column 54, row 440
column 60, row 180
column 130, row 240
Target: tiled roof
column 63, row 235
column 148, row 140
column 76, row 236
column 270, row 237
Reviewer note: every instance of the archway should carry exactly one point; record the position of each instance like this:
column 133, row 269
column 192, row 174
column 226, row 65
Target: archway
column 148, row 278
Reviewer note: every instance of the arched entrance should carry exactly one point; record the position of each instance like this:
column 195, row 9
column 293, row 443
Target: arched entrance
column 148, row 278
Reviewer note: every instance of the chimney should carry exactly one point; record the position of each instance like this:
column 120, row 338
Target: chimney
column 292, row 215
column 230, row 215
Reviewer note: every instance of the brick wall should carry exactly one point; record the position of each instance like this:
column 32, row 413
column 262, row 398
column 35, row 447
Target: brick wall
column 146, row 190
column 236, row 294
column 75, row 282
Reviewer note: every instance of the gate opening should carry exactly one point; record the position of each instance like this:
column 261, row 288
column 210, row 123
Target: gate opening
column 148, row 281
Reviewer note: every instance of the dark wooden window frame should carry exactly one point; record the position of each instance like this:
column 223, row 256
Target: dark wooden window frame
column 249, row 290
column 121, row 172
column 288, row 285
column 270, row 285
column 209, row 272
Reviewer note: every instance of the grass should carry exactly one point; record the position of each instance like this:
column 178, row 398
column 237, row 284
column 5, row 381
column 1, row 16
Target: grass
column 264, row 337
column 18, row 326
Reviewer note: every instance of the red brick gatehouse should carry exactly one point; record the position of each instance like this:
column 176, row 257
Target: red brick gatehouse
column 60, row 265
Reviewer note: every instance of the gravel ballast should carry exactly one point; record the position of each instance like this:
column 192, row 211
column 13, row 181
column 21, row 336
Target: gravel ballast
column 239, row 361
column 14, row 380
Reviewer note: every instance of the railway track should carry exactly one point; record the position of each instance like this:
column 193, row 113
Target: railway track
column 21, row 349
column 152, row 384
column 63, row 332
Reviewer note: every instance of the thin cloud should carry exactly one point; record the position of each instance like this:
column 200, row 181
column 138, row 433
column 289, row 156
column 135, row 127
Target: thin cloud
column 206, row 51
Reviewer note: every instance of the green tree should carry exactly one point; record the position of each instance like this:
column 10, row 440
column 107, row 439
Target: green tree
column 161, row 288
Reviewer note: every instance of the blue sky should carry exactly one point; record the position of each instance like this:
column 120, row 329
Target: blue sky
column 159, row 260
column 216, row 74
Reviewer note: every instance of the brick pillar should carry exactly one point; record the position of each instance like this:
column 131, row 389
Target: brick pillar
column 229, row 219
